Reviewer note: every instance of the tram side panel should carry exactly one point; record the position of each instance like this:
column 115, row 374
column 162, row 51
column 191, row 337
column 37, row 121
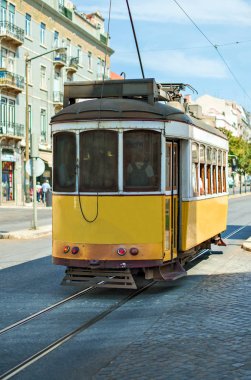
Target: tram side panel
column 202, row 220
column 122, row 221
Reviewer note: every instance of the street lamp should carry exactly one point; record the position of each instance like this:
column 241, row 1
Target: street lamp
column 27, row 122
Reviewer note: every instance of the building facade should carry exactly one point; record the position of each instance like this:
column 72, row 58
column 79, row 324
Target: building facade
column 34, row 30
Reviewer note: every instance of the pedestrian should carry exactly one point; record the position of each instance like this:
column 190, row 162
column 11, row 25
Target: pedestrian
column 45, row 187
column 39, row 191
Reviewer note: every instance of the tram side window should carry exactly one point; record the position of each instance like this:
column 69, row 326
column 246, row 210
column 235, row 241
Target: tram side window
column 141, row 161
column 208, row 174
column 98, row 161
column 195, row 163
column 202, row 170
column 64, row 162
column 219, row 171
column 214, row 165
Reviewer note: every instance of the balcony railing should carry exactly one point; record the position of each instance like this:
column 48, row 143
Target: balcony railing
column 11, row 32
column 65, row 11
column 59, row 59
column 11, row 82
column 73, row 64
column 58, row 97
column 12, row 129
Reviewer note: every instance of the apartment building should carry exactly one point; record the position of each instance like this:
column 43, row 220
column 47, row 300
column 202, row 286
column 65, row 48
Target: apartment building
column 59, row 44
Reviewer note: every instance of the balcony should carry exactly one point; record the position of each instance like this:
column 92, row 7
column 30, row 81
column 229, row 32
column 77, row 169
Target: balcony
column 58, row 98
column 65, row 11
column 59, row 60
column 103, row 39
column 73, row 64
column 11, row 34
column 11, row 83
column 12, row 129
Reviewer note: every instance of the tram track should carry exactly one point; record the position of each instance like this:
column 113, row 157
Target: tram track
column 9, row 373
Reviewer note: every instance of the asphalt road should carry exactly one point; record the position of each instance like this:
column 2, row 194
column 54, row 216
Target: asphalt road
column 14, row 219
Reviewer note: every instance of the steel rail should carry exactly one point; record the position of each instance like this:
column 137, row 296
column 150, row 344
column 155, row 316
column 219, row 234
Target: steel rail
column 57, row 343
column 43, row 311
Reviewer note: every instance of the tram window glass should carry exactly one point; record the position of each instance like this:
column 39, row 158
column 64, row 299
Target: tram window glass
column 214, row 164
column 168, row 165
column 98, row 161
column 64, row 162
column 141, row 161
column 219, row 171
column 208, row 174
column 202, row 170
column 195, row 163
column 175, row 168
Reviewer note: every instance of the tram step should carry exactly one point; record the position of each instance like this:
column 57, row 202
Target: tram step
column 105, row 279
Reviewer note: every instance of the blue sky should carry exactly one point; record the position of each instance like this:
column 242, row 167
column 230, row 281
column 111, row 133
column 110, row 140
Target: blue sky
column 174, row 50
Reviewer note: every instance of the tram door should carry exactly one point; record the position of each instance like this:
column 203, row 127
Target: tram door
column 171, row 200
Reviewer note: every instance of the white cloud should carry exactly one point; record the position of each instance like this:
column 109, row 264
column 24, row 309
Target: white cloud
column 166, row 11
column 176, row 64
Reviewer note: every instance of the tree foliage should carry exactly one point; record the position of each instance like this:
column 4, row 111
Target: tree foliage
column 241, row 149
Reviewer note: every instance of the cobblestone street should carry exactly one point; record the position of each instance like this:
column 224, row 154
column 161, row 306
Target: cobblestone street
column 204, row 332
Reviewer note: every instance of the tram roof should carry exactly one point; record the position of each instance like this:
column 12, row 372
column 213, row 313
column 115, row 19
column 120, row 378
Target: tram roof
column 128, row 109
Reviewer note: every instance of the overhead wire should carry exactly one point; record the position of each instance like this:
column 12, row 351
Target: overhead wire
column 216, row 47
column 99, row 118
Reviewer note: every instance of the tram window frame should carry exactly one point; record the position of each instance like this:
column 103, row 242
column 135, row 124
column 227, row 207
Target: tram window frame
column 208, row 170
column 100, row 173
column 214, row 169
column 64, row 162
column 219, row 159
column 175, row 168
column 202, row 152
column 147, row 144
column 168, row 163
column 195, row 166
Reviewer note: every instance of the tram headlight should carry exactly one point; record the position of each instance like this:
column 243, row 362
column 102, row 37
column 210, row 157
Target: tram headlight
column 121, row 251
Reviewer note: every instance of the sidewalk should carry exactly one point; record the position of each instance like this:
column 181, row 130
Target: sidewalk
column 27, row 233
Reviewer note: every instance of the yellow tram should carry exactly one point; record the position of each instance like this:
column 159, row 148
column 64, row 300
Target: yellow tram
column 138, row 184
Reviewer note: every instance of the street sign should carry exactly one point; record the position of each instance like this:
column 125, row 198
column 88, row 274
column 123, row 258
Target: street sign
column 39, row 167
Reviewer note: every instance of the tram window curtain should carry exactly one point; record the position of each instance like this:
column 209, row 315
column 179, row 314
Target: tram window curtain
column 98, row 161
column 141, row 161
column 64, row 162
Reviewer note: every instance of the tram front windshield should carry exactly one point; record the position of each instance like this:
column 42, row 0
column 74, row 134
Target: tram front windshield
column 99, row 168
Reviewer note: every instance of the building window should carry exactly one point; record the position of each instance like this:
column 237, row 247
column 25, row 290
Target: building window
column 12, row 14
column 79, row 55
column 89, row 60
column 28, row 25
column 4, row 59
column 68, row 45
column 42, row 33
column 56, row 39
column 43, row 126
column 43, row 77
column 3, row 11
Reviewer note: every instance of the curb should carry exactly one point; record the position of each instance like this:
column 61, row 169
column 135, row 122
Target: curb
column 27, row 234
column 247, row 245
